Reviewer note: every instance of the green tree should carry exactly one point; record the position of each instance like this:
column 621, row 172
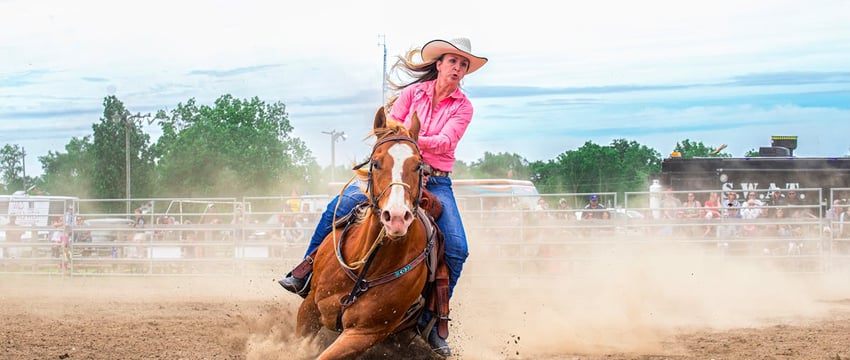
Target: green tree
column 751, row 153
column 461, row 170
column 109, row 150
column 622, row 166
column 12, row 167
column 690, row 149
column 233, row 148
column 499, row 166
column 70, row 172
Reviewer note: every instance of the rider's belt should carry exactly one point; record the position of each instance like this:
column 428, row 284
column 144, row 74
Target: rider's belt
column 430, row 171
column 440, row 173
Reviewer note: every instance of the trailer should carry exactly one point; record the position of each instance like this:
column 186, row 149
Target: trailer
column 819, row 179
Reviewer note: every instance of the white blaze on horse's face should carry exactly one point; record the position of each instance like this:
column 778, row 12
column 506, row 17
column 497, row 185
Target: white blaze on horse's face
column 397, row 214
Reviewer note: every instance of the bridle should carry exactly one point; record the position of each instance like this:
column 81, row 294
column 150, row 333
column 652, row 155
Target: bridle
column 376, row 196
column 361, row 284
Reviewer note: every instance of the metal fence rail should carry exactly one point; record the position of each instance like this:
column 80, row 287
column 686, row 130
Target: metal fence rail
column 184, row 237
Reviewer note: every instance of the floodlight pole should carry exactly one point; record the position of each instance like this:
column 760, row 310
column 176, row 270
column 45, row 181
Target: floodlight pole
column 335, row 135
column 24, row 166
column 127, row 119
column 127, row 159
column 382, row 41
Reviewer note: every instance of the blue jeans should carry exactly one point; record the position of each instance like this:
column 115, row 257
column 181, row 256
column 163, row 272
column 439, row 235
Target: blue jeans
column 449, row 223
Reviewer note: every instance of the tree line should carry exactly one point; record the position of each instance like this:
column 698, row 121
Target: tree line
column 244, row 147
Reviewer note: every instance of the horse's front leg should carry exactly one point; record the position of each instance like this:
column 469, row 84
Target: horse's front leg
column 308, row 320
column 350, row 344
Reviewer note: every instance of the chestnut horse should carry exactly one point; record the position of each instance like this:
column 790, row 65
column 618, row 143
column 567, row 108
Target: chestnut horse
column 368, row 276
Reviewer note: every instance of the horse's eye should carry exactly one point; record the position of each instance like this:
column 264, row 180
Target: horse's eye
column 375, row 165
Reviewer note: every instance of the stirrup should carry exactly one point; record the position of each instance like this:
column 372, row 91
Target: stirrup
column 292, row 284
column 438, row 344
column 428, row 331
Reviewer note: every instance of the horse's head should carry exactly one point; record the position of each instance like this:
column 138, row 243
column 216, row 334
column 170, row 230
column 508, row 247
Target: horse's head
column 395, row 171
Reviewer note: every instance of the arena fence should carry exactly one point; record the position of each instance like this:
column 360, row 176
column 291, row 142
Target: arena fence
column 268, row 235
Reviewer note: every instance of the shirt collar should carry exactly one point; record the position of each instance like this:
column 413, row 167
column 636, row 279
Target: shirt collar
column 428, row 88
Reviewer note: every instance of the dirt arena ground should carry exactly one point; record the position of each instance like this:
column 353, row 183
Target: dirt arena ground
column 634, row 306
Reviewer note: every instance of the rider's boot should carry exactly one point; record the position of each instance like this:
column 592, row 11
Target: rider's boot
column 298, row 280
column 296, row 285
column 438, row 344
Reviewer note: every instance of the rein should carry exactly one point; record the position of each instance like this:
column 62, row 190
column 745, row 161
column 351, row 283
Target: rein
column 374, row 201
column 361, row 285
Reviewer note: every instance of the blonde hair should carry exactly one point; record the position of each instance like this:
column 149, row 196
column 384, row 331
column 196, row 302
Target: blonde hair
column 406, row 65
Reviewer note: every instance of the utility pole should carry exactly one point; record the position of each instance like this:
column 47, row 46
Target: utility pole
column 127, row 160
column 335, row 135
column 382, row 41
column 129, row 119
column 24, row 165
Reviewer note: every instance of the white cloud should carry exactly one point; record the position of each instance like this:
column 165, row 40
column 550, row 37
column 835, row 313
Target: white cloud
column 59, row 56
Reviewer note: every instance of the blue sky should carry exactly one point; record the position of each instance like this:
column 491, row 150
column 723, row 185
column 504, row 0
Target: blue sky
column 657, row 72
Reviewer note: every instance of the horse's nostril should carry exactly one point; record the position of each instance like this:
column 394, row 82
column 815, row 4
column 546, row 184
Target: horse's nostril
column 385, row 215
column 408, row 216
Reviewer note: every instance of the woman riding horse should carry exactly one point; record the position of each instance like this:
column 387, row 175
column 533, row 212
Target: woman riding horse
column 445, row 112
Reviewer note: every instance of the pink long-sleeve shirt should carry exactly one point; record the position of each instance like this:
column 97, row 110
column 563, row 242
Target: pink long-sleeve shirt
column 442, row 128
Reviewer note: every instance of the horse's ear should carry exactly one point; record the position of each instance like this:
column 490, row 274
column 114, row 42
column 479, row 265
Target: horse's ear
column 380, row 119
column 414, row 126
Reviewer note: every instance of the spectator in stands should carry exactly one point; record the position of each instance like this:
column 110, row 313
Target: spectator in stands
column 692, row 211
column 731, row 198
column 13, row 234
column 138, row 235
column 712, row 206
column 833, row 217
column 78, row 235
column 593, row 209
column 792, row 198
column 775, row 198
column 138, row 220
column 751, row 209
column 843, row 231
column 835, row 211
column 729, row 229
column 55, row 236
column 564, row 211
column 782, row 227
column 692, row 207
column 797, row 206
column 712, row 212
column 65, row 246
column 70, row 216
column 542, row 205
column 671, row 206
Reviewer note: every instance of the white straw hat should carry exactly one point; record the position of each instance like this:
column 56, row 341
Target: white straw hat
column 433, row 49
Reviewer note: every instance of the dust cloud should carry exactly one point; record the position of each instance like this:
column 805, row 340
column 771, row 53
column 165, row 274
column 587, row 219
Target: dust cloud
column 614, row 298
column 629, row 300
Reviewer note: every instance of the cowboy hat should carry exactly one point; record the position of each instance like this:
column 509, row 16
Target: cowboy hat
column 433, row 49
